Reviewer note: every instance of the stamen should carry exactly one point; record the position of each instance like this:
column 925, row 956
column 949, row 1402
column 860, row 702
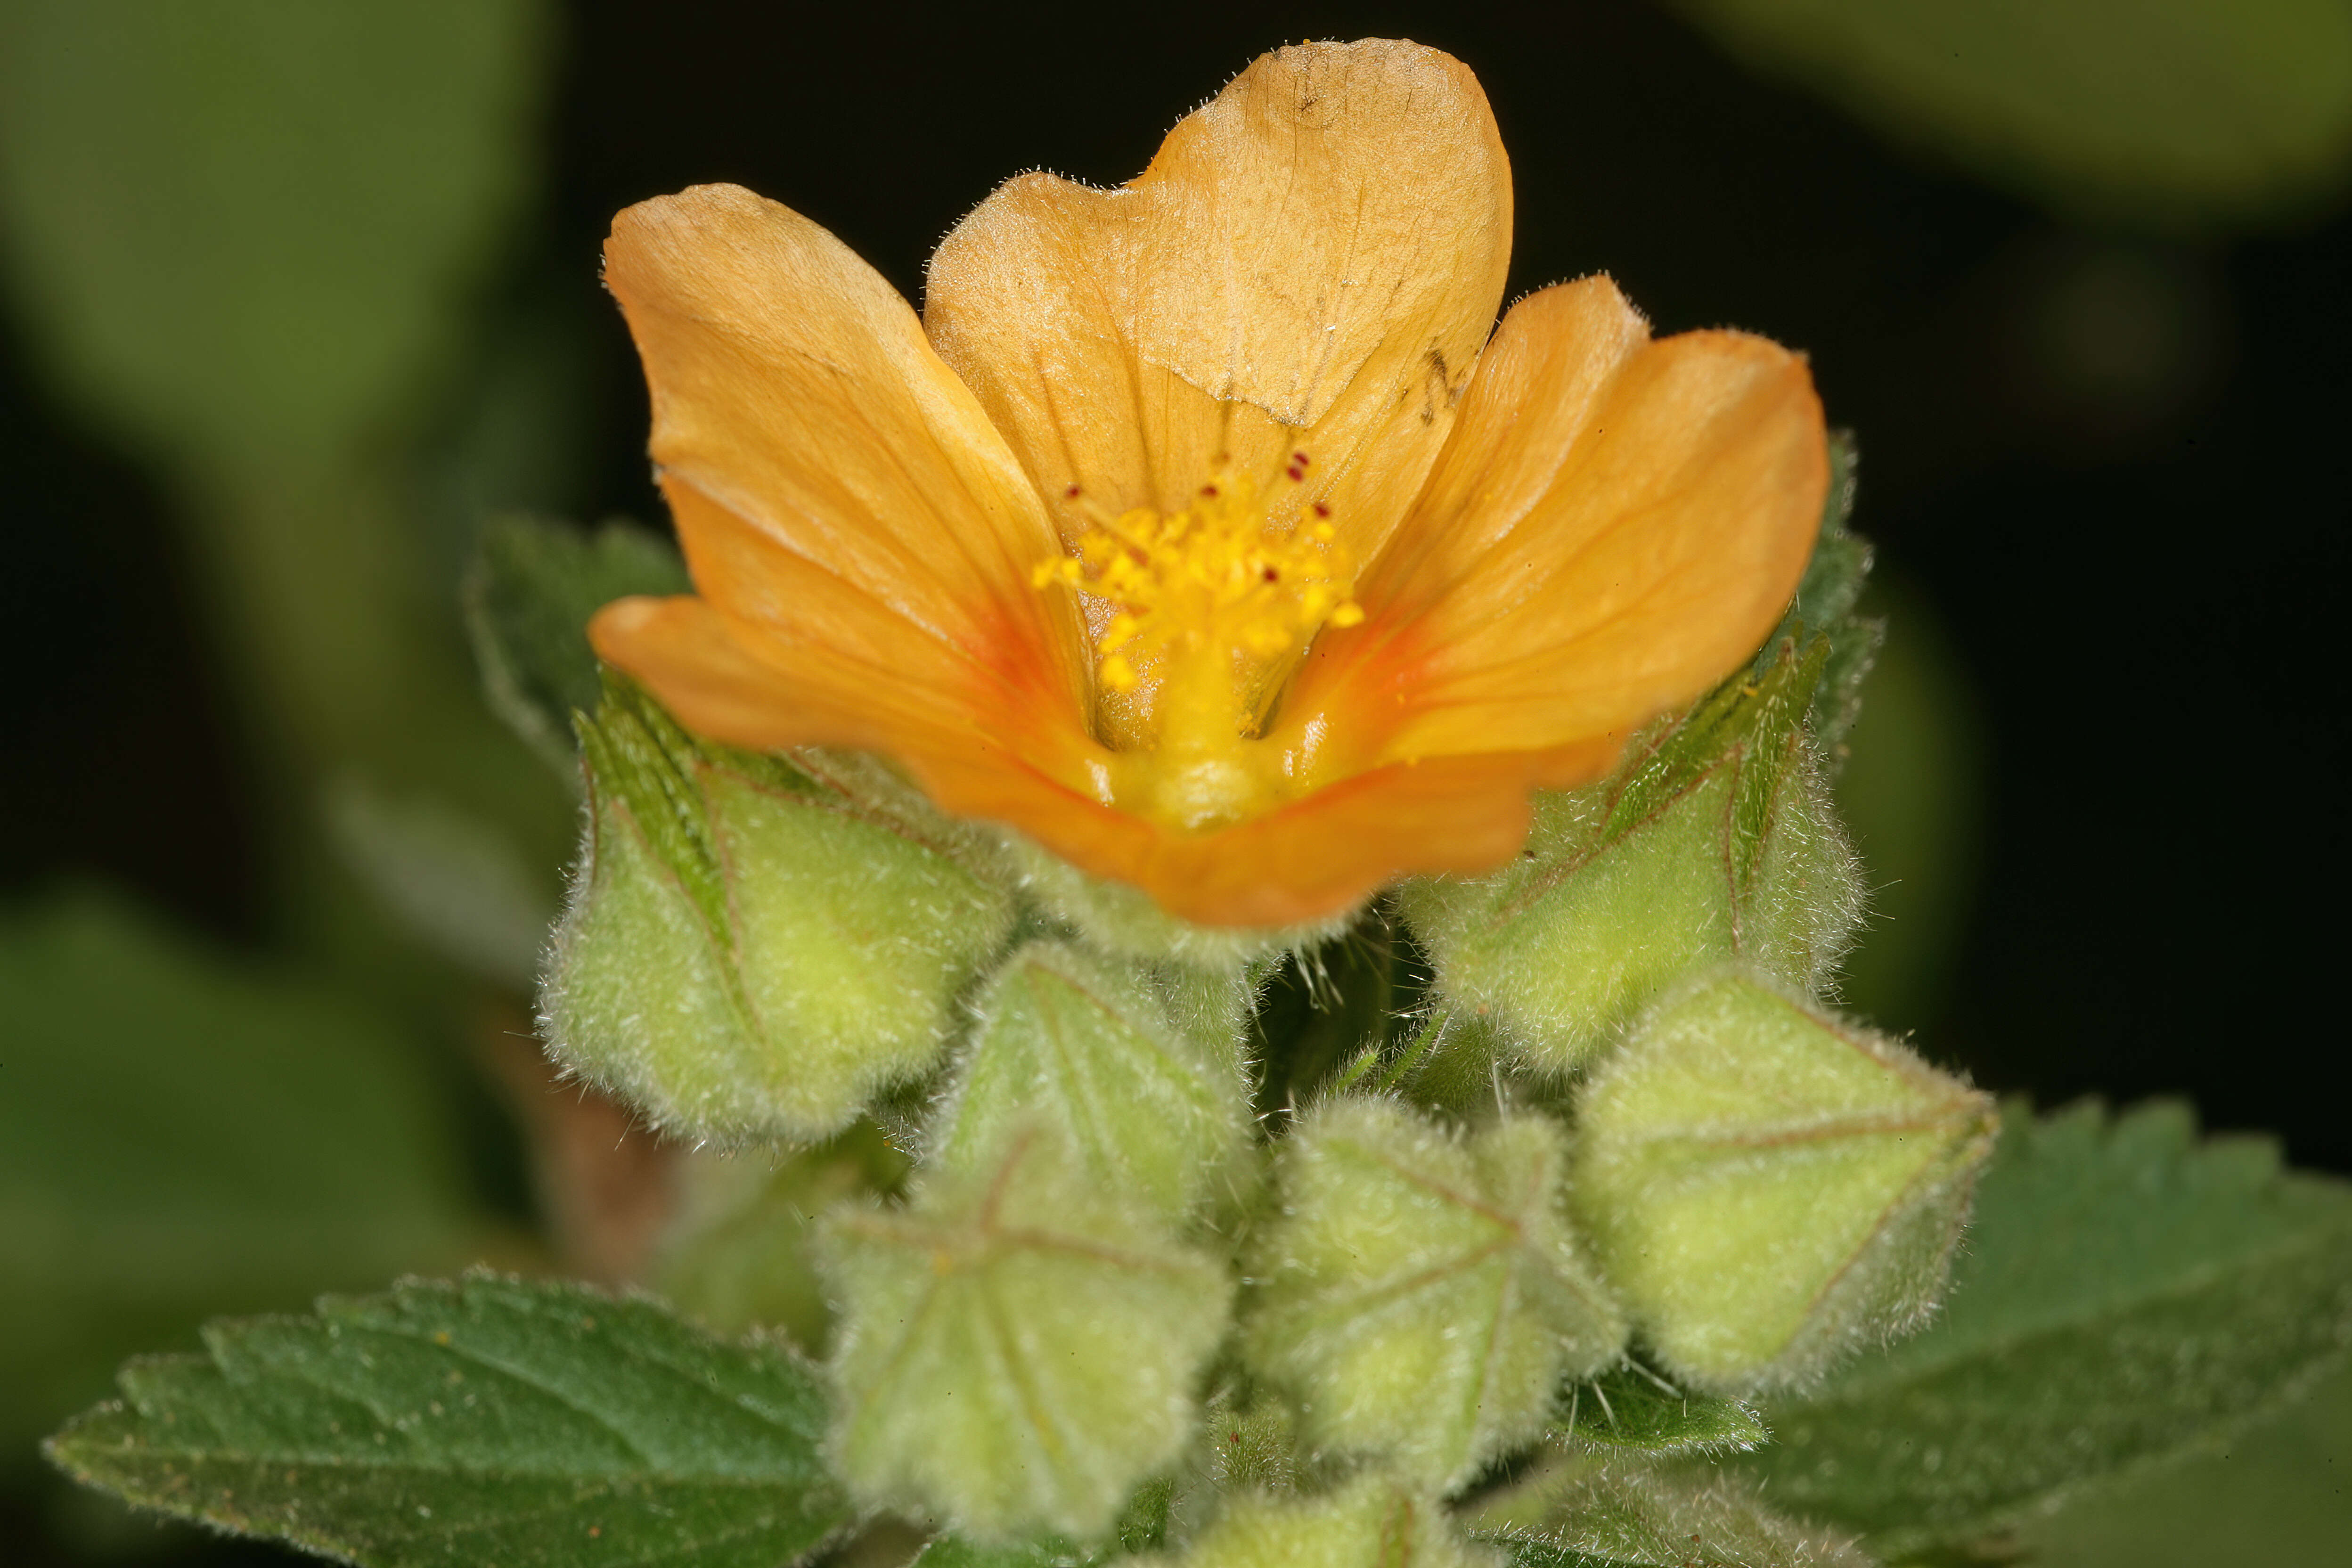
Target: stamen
column 1210, row 606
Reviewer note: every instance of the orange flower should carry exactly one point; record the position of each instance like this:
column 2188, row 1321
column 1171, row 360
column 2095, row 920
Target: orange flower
column 1197, row 530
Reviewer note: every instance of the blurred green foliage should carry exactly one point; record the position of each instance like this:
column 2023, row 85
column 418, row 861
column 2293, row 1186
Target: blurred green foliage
column 181, row 1135
column 2283, row 1487
column 249, row 237
column 242, row 230
column 2168, row 113
column 1912, row 795
column 246, row 235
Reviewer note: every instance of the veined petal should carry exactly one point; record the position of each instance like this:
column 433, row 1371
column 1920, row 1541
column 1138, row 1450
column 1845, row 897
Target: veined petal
column 741, row 682
column 1615, row 523
column 832, row 481
column 1310, row 263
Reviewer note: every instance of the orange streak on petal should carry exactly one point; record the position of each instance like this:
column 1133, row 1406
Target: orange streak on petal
column 734, row 682
column 1315, row 857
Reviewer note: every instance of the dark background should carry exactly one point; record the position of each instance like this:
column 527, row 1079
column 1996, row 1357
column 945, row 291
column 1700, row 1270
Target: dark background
column 2108, row 474
column 2098, row 781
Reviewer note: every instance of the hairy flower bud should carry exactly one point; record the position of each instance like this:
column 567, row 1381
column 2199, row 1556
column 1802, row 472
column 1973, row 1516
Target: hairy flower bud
column 1374, row 1521
column 1422, row 1295
column 1017, row 1348
column 755, row 945
column 1138, row 1071
column 1766, row 1187
column 1714, row 841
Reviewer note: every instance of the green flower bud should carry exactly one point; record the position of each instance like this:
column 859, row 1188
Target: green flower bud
column 755, row 945
column 1371, row 1522
column 1766, row 1187
column 1422, row 1297
column 1716, row 841
column 1017, row 1349
column 738, row 1254
column 1139, row 1073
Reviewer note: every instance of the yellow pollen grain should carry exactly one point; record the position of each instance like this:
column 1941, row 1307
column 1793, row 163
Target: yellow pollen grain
column 1226, row 587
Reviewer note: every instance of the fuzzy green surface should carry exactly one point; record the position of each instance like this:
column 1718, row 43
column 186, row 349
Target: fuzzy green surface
column 1714, row 841
column 1623, row 1516
column 1095, row 1050
column 1017, row 1347
column 753, row 951
column 1422, row 1295
column 447, row 1425
column 1765, row 1187
column 2127, row 1294
column 529, row 594
column 740, row 1250
column 1629, row 1410
column 1374, row 1521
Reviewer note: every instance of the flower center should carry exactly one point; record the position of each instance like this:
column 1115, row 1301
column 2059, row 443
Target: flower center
column 1198, row 617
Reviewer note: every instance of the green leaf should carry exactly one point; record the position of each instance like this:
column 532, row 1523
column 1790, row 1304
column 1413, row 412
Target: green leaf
column 1824, row 608
column 1625, row 1517
column 2172, row 112
column 1841, row 560
column 2126, row 1293
column 2273, row 1494
column 457, row 883
column 532, row 586
column 1841, row 646
column 244, row 229
column 248, row 237
column 490, row 1420
column 182, row 1135
column 1633, row 1409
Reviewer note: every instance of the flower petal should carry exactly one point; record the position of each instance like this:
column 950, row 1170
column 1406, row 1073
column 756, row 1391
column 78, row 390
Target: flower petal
column 1311, row 262
column 1315, row 857
column 737, row 682
column 1616, row 522
column 834, row 484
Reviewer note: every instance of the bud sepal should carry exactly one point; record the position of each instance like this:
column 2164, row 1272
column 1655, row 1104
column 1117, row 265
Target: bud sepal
column 755, row 945
column 1766, row 1187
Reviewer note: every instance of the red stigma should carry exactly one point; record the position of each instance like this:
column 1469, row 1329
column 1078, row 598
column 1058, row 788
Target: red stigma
column 1299, row 459
column 1272, row 575
column 1295, row 474
column 1322, row 511
column 1072, row 493
column 1208, row 489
